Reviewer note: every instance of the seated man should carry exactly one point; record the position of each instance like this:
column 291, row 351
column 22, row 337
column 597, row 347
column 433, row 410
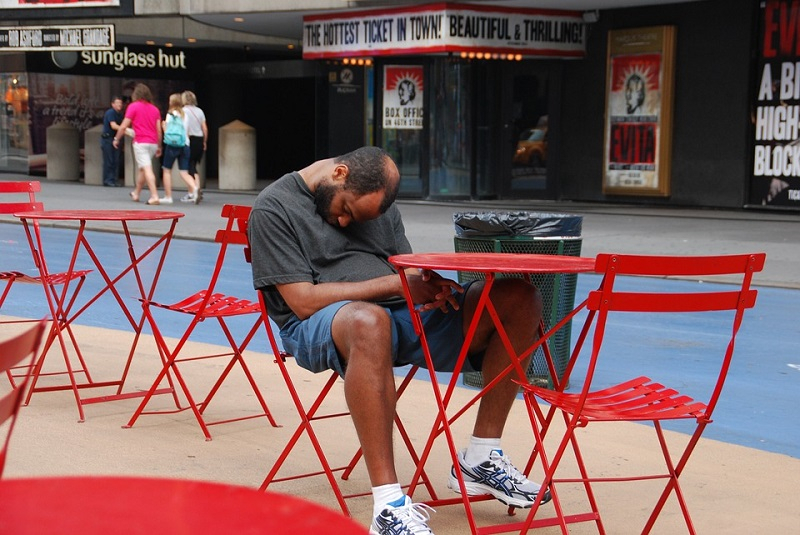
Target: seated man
column 320, row 240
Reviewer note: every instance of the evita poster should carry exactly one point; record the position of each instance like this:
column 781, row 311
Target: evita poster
column 638, row 117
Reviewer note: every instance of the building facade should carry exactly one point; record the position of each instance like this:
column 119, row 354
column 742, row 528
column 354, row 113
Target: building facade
column 681, row 104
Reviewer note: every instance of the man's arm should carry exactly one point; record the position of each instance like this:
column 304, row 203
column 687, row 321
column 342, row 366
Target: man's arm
column 427, row 289
column 126, row 122
column 305, row 298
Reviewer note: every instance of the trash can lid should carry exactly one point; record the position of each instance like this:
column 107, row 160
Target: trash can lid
column 520, row 223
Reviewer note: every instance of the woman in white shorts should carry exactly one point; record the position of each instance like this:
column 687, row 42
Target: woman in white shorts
column 145, row 119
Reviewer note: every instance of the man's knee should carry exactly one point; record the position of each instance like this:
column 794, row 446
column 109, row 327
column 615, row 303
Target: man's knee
column 517, row 296
column 363, row 317
column 361, row 325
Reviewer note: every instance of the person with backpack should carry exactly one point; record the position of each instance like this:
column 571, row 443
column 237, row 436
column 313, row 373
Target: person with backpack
column 176, row 147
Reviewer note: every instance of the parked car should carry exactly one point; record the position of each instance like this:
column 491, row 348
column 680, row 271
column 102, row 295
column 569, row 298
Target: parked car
column 532, row 147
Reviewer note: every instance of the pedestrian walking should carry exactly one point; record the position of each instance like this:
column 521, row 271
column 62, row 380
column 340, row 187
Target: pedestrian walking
column 145, row 119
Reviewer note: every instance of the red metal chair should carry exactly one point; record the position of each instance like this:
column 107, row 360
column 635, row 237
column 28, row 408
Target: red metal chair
column 24, row 199
column 28, row 189
column 200, row 306
column 643, row 399
column 13, row 353
column 312, row 412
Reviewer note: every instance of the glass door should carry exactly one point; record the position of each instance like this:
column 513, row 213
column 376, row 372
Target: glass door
column 526, row 147
column 402, row 108
column 450, row 144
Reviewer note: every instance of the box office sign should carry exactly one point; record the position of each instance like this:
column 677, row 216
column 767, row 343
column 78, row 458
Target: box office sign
column 444, row 28
column 402, row 97
column 56, row 38
column 638, row 115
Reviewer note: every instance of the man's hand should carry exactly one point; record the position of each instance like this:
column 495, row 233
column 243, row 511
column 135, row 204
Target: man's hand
column 430, row 290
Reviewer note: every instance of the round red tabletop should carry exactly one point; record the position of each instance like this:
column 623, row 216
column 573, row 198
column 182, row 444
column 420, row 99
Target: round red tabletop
column 154, row 506
column 100, row 215
column 496, row 262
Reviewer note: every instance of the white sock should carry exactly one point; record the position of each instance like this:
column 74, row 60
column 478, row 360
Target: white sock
column 479, row 449
column 384, row 494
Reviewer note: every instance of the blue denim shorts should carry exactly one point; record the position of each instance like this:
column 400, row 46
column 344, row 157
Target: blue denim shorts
column 311, row 343
column 175, row 153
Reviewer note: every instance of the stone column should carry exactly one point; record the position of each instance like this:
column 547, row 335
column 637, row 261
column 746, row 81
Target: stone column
column 93, row 156
column 63, row 152
column 237, row 157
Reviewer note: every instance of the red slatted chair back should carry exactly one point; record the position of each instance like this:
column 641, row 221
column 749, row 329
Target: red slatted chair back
column 19, row 204
column 724, row 292
column 14, row 352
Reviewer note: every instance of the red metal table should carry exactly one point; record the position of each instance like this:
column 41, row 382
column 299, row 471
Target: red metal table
column 61, row 304
column 490, row 265
column 154, row 506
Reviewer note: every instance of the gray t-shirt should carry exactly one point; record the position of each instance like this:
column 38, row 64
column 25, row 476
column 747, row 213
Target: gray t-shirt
column 291, row 242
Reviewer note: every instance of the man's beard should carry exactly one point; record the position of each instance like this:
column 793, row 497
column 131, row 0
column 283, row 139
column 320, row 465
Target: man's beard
column 323, row 197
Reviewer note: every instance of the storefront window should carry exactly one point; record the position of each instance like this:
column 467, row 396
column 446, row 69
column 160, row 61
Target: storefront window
column 14, row 136
column 451, row 129
column 369, row 105
column 403, row 147
column 530, row 126
column 489, row 128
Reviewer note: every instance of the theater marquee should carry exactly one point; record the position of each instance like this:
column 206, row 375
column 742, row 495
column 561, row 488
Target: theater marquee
column 638, row 118
column 445, row 28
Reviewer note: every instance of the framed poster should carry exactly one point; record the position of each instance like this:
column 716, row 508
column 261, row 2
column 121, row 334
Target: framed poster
column 775, row 179
column 638, row 113
column 403, row 92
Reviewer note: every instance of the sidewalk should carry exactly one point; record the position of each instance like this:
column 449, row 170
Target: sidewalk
column 606, row 228
column 730, row 488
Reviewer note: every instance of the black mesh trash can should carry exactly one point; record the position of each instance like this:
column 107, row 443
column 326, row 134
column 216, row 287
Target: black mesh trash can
column 528, row 232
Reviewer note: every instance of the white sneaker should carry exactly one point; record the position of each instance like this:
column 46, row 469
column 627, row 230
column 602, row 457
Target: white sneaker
column 498, row 477
column 189, row 197
column 402, row 517
column 165, row 200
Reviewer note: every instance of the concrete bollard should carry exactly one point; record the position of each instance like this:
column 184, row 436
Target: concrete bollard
column 237, row 157
column 93, row 156
column 63, row 152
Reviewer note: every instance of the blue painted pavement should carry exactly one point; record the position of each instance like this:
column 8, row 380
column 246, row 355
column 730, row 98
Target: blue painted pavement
column 758, row 408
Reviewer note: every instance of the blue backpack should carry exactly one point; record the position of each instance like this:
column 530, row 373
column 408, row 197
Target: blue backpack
column 175, row 134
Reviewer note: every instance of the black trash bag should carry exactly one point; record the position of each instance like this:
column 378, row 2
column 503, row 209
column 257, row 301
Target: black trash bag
column 498, row 224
